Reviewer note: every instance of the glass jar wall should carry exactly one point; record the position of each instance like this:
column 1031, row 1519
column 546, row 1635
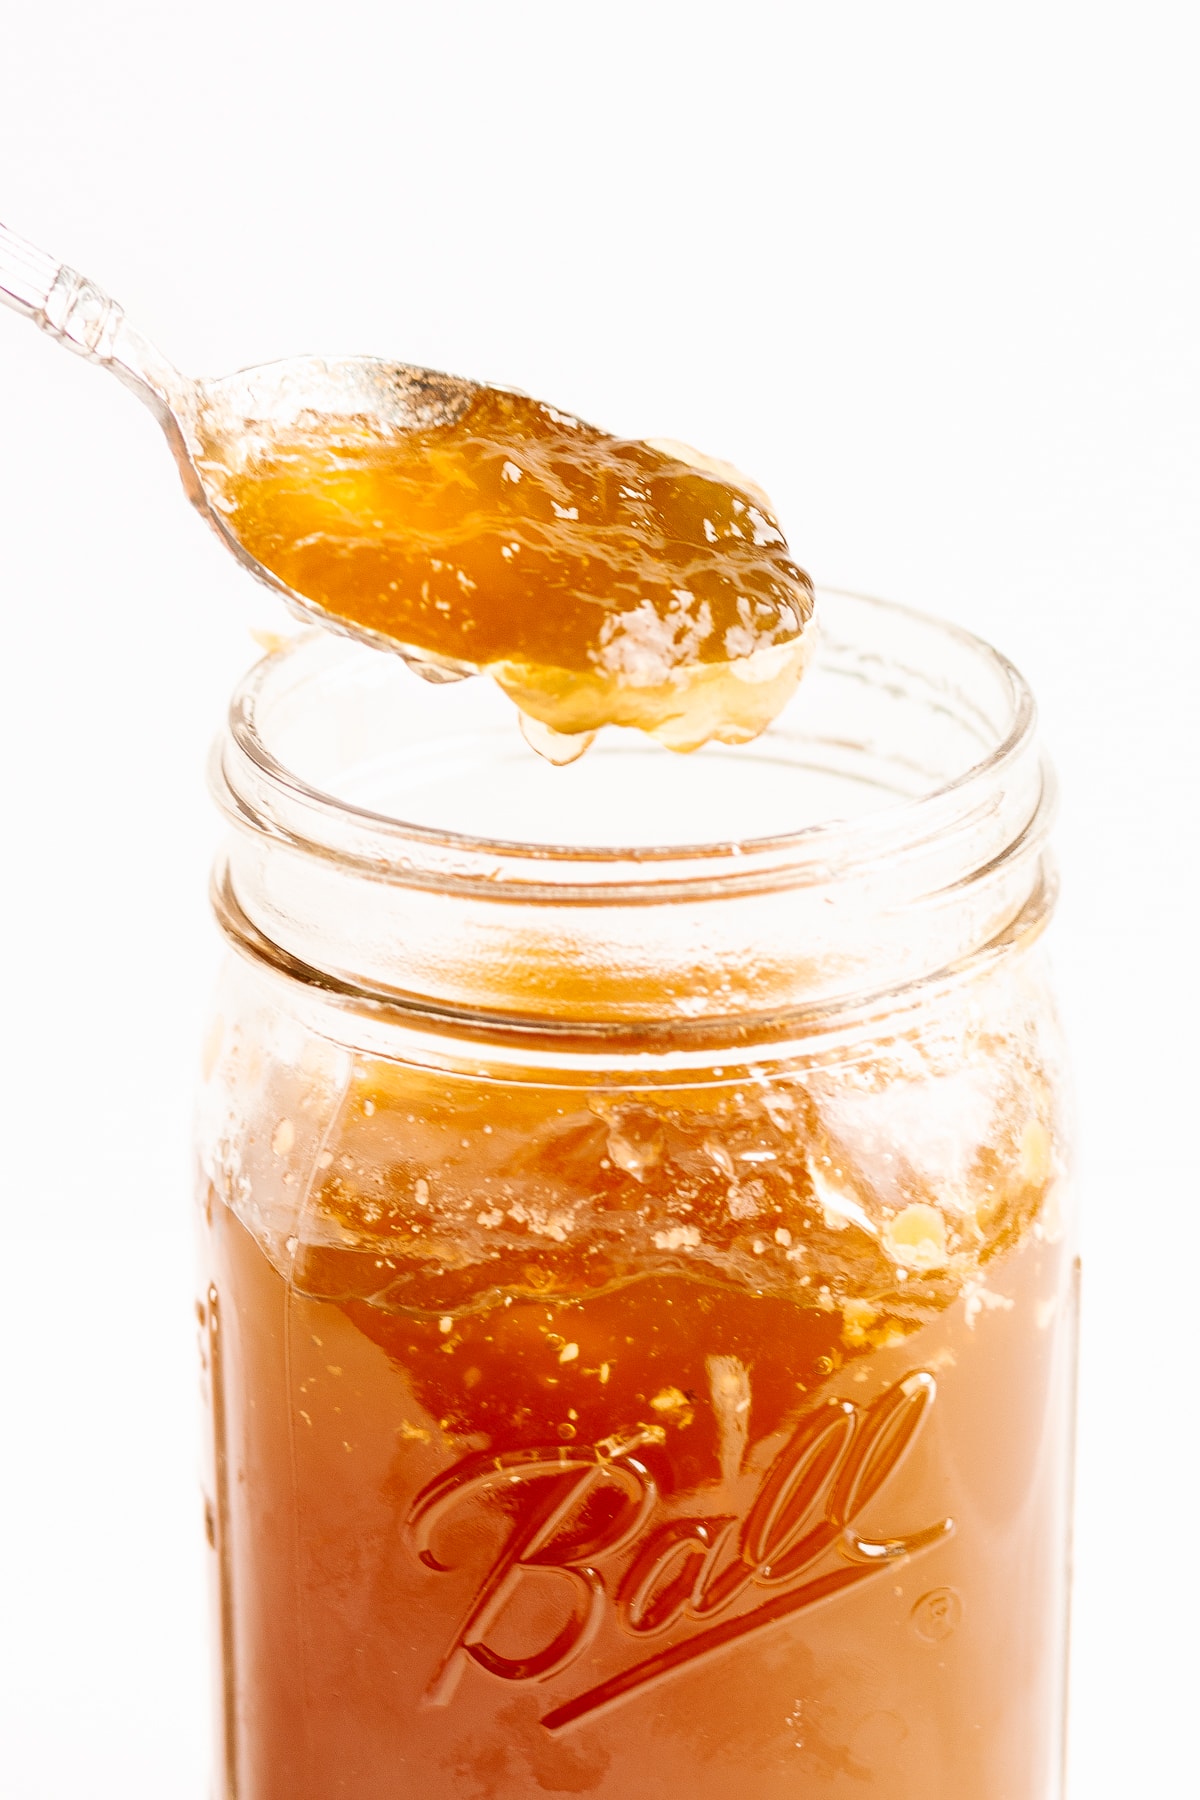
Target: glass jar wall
column 639, row 1292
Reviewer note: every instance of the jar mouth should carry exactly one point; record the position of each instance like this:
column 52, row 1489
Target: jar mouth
column 399, row 841
column 910, row 742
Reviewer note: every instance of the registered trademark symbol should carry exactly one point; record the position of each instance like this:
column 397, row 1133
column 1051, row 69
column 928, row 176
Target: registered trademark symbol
column 937, row 1613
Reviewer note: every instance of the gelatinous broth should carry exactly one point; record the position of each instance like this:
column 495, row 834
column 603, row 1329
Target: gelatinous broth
column 600, row 580
column 697, row 1439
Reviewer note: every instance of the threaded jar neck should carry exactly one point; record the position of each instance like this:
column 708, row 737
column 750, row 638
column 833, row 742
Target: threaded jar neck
column 399, row 843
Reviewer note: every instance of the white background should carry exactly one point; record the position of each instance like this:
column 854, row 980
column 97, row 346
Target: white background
column 930, row 272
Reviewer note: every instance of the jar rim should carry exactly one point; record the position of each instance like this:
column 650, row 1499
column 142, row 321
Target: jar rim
column 259, row 790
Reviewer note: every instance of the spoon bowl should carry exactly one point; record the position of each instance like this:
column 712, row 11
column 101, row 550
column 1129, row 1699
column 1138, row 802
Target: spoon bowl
column 668, row 605
column 244, row 412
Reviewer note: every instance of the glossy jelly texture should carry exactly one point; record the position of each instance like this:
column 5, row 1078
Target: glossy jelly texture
column 698, row 1437
column 600, row 580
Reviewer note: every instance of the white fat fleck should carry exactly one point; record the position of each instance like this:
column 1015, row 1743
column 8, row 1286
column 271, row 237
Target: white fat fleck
column 744, row 1199
column 550, row 1225
column 762, row 529
column 510, row 472
column 739, row 642
column 645, row 648
column 978, row 1298
column 679, row 1237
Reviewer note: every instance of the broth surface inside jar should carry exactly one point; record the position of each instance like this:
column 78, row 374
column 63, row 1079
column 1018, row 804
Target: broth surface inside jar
column 599, row 580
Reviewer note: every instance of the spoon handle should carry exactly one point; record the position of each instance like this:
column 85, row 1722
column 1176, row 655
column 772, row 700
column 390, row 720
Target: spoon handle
column 62, row 302
column 82, row 316
column 26, row 275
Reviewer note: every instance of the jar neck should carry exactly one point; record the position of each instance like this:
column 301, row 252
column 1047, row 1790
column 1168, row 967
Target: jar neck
column 352, row 863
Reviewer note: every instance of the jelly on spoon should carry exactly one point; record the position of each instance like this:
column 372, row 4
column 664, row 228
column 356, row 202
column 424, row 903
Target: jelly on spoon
column 599, row 580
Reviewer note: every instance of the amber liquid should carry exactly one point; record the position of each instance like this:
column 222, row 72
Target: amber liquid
column 688, row 1442
column 600, row 580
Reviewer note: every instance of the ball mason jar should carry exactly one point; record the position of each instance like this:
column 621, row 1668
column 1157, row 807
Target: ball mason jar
column 638, row 1303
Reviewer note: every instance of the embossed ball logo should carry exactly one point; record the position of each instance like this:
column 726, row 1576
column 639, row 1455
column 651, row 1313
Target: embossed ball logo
column 591, row 1519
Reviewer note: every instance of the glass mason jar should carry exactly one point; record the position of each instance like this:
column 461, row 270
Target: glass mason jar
column 639, row 1300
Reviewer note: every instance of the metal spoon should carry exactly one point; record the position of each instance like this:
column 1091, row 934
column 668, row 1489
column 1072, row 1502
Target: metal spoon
column 394, row 397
